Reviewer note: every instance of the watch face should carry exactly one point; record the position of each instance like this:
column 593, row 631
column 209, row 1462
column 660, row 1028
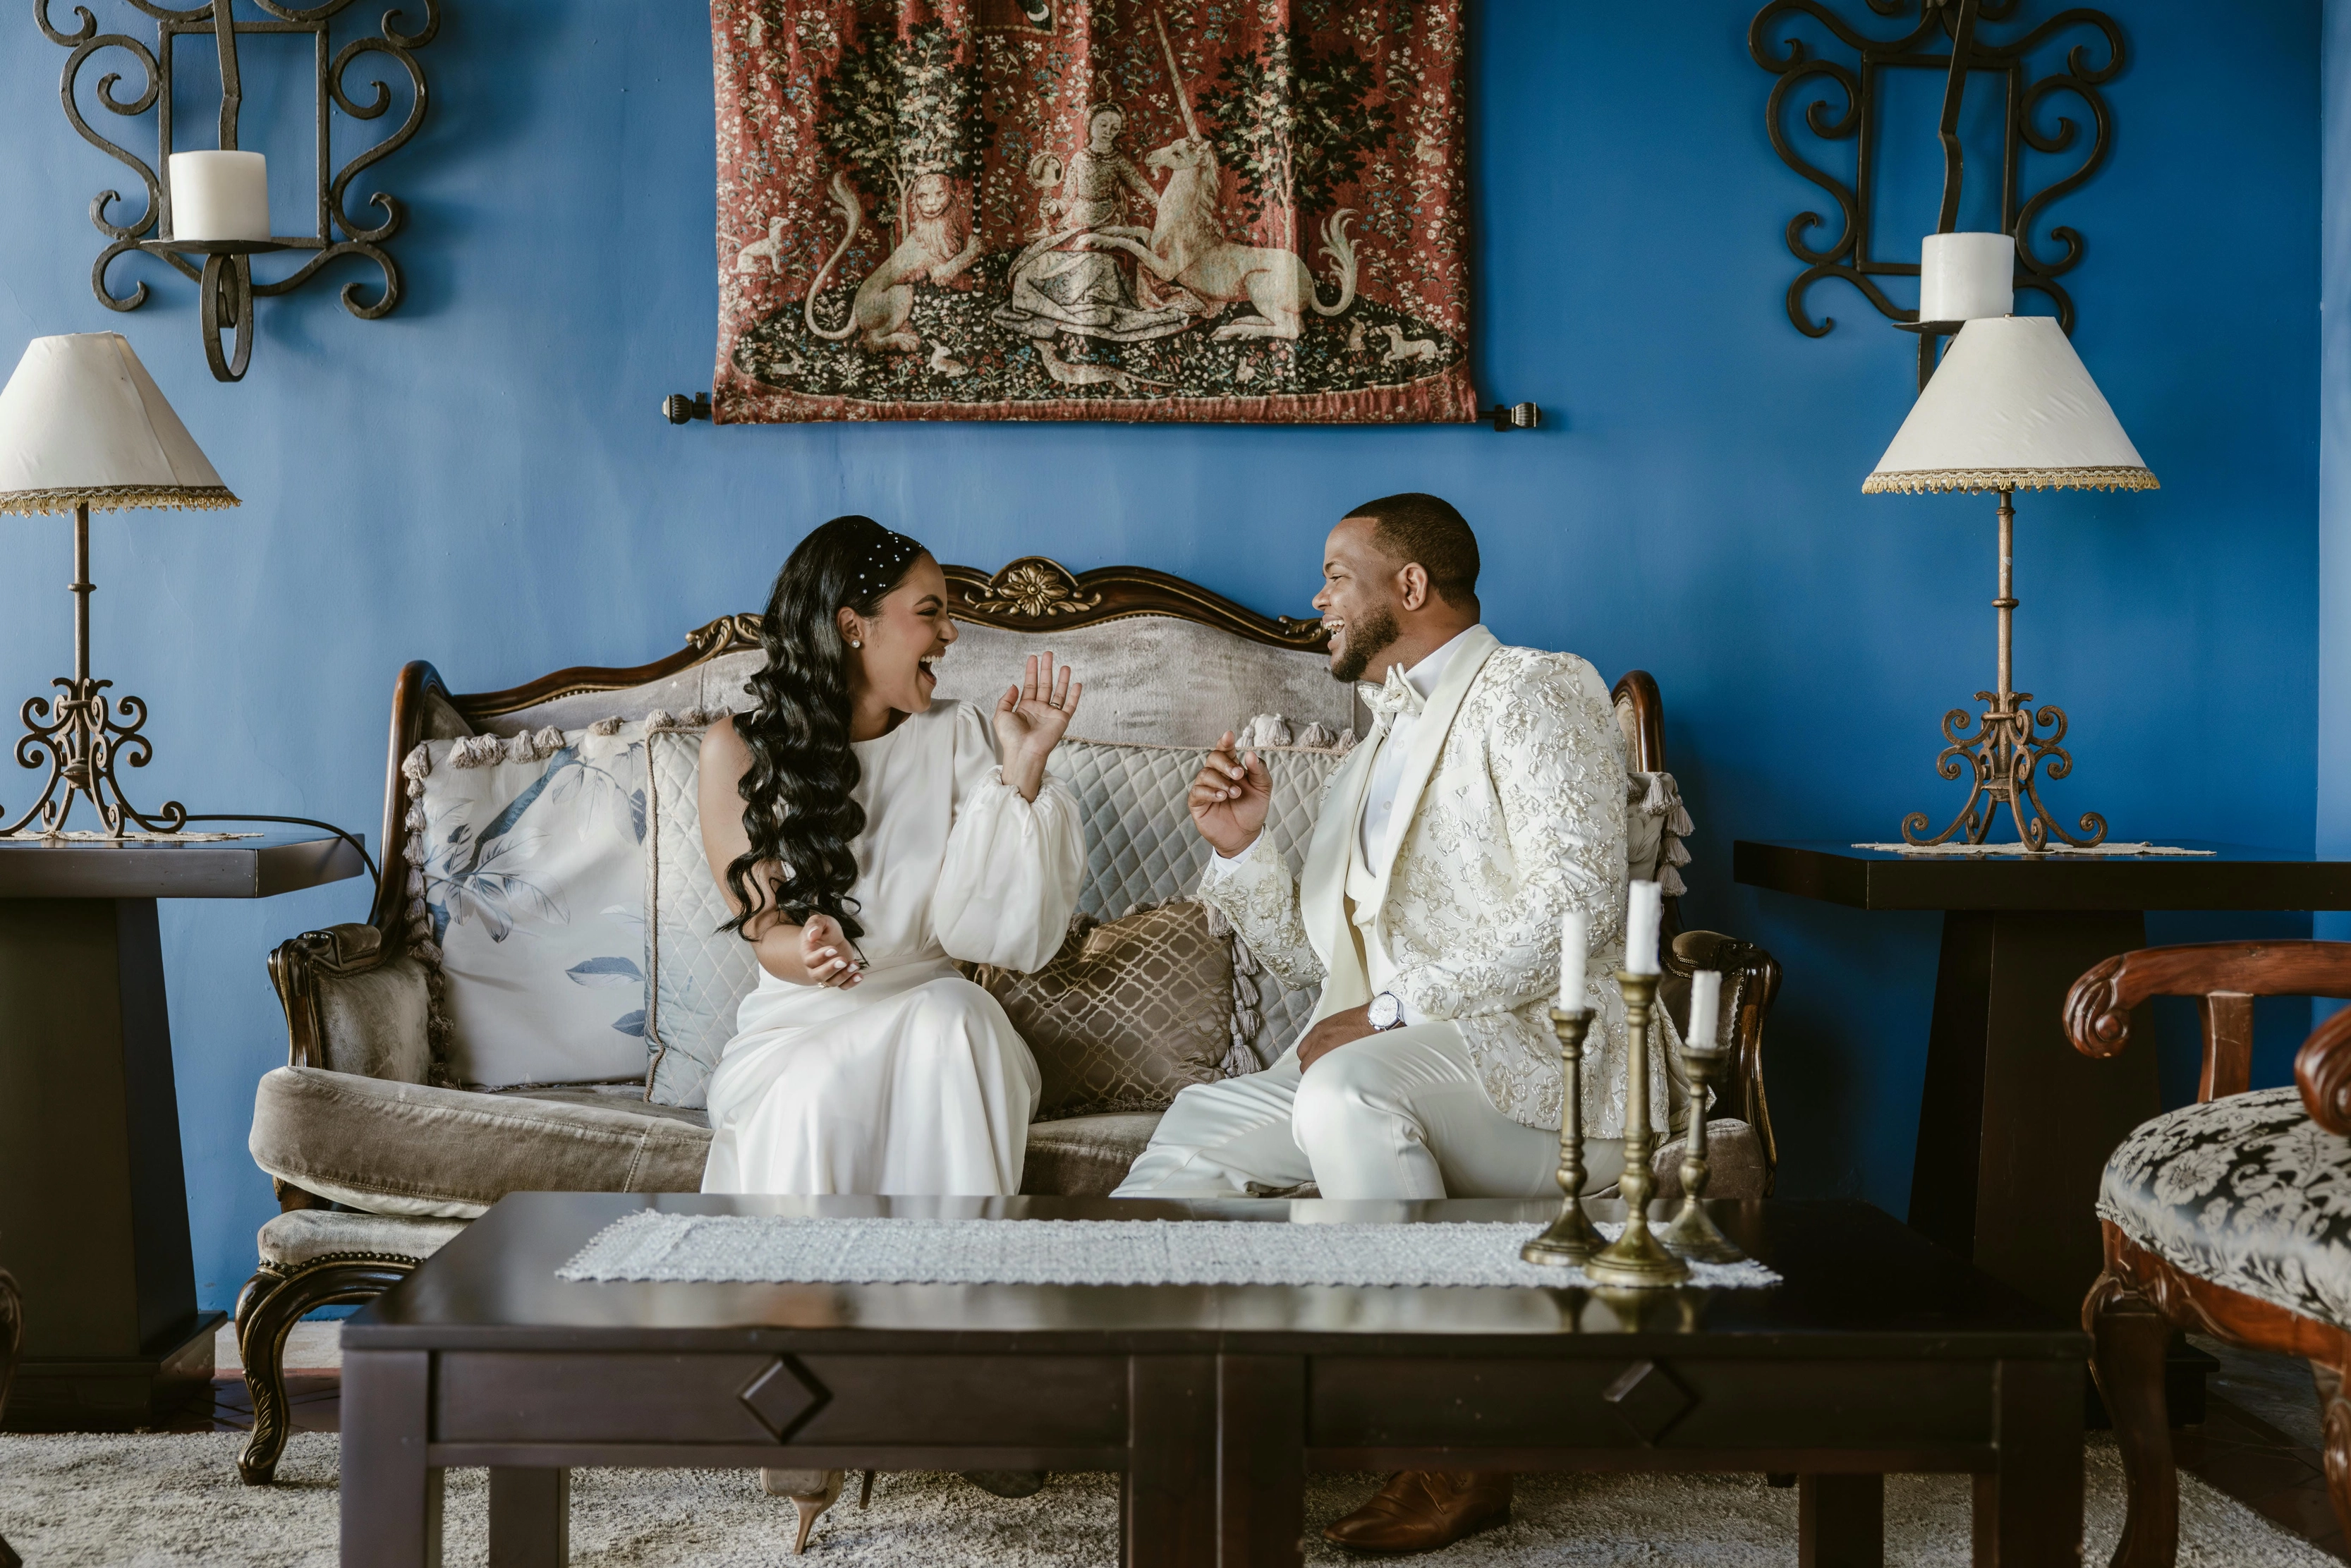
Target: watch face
column 1385, row 1011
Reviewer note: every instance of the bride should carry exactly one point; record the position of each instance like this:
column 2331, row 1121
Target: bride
column 864, row 837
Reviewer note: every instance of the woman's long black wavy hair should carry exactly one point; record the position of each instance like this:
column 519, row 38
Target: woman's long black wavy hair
column 796, row 794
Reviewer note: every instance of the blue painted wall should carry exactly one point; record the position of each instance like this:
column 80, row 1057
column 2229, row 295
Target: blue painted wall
column 481, row 479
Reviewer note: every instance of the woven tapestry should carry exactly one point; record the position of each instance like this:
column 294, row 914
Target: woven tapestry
column 1239, row 210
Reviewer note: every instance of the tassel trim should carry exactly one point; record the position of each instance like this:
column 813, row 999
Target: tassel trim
column 116, row 497
column 1917, row 481
column 1270, row 731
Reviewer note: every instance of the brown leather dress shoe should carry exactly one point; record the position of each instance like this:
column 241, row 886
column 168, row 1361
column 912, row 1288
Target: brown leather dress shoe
column 1420, row 1510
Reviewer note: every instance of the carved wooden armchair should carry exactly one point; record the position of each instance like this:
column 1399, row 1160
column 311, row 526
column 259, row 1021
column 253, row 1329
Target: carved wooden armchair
column 2230, row 1217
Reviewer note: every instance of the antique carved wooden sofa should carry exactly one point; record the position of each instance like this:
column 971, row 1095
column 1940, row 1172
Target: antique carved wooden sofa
column 379, row 1157
column 2230, row 1217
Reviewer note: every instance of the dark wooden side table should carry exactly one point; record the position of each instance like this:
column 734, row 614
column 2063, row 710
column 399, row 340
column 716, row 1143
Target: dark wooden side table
column 2014, row 1126
column 1881, row 1352
column 93, row 1201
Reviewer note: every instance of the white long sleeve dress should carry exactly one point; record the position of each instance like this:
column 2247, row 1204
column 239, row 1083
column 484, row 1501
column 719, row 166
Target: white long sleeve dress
column 912, row 1081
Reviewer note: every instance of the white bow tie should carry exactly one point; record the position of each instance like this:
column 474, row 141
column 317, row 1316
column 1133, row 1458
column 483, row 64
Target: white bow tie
column 1396, row 695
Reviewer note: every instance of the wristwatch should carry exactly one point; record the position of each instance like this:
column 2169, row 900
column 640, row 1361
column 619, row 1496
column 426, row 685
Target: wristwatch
column 1386, row 1012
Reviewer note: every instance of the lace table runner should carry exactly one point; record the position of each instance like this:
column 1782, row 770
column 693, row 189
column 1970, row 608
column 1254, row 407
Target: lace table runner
column 2053, row 851
column 771, row 1249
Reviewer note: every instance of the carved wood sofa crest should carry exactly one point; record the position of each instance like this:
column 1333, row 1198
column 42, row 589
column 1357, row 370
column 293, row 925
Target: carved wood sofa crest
column 1169, row 665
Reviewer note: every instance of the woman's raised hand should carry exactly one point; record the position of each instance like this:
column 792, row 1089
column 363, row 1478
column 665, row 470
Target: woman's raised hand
column 826, row 956
column 1030, row 719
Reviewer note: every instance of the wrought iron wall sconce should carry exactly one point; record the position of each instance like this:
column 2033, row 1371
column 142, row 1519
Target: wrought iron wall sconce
column 223, row 270
column 1945, row 40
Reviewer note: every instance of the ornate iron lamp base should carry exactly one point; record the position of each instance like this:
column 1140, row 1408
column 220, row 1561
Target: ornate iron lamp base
column 1572, row 1237
column 2008, row 751
column 1636, row 1258
column 1692, row 1233
column 2006, row 754
column 84, row 735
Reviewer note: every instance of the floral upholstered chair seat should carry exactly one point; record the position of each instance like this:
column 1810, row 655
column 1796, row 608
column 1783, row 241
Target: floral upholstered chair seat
column 2246, row 1192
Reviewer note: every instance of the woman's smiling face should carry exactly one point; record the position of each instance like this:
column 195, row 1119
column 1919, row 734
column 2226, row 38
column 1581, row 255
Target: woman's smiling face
column 908, row 631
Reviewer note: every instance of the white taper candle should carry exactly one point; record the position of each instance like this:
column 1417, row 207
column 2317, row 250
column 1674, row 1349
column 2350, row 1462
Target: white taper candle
column 1574, row 941
column 1706, row 1009
column 1641, row 920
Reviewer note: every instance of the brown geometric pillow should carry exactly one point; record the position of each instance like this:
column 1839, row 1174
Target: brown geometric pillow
column 1126, row 1014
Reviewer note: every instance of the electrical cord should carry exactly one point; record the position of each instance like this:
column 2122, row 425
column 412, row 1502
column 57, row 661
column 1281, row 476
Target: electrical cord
column 351, row 839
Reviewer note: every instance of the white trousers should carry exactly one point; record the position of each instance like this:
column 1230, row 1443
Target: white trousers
column 1399, row 1114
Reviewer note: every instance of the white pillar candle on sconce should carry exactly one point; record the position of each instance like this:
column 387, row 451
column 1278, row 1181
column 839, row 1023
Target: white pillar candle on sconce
column 1966, row 277
column 1644, row 910
column 1574, row 941
column 220, row 196
column 1706, row 1009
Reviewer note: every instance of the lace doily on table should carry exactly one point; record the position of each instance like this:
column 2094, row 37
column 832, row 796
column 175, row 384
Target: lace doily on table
column 771, row 1249
column 92, row 836
column 1974, row 850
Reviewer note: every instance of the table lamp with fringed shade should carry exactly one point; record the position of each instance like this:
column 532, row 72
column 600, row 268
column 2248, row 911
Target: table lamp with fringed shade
column 83, row 425
column 2011, row 407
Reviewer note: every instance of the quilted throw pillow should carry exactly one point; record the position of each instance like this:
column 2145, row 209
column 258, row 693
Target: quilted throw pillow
column 1141, row 847
column 1127, row 1013
column 697, row 976
column 527, row 898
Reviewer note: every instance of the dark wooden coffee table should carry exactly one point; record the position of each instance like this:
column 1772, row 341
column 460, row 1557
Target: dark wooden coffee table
column 1882, row 1352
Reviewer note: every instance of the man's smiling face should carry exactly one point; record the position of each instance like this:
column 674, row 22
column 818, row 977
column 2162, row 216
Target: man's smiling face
column 1359, row 598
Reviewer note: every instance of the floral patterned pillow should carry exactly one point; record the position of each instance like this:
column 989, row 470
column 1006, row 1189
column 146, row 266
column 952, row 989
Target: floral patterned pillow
column 527, row 890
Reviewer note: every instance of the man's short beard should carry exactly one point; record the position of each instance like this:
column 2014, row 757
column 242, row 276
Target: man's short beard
column 1367, row 636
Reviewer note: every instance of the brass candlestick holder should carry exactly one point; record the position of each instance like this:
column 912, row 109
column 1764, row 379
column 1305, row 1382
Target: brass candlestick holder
column 1571, row 1238
column 1637, row 1258
column 1691, row 1233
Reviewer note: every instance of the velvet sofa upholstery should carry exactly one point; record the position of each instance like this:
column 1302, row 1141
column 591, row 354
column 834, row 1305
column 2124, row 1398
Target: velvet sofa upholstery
column 377, row 1166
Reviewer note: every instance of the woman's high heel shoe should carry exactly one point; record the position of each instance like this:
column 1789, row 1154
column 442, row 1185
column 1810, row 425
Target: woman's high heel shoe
column 811, row 1491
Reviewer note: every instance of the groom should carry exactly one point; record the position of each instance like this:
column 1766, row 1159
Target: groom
column 1488, row 800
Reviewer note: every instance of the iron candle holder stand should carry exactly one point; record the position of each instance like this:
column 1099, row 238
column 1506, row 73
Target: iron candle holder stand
column 1571, row 1238
column 1636, row 1258
column 1691, row 1233
column 82, row 735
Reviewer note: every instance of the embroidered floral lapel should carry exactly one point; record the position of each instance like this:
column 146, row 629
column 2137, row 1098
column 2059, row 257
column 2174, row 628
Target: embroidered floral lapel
column 1322, row 880
column 1428, row 734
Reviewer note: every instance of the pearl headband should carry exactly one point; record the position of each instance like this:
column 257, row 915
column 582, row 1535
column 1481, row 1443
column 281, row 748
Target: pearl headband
column 889, row 556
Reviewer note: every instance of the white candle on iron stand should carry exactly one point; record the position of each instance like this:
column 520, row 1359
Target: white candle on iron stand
column 1575, row 942
column 1966, row 277
column 1706, row 1009
column 220, row 196
column 1642, row 911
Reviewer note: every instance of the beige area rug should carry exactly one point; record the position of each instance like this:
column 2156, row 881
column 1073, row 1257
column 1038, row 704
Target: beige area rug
column 175, row 1502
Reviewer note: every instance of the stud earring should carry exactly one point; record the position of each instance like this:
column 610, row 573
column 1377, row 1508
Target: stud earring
column 855, row 644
